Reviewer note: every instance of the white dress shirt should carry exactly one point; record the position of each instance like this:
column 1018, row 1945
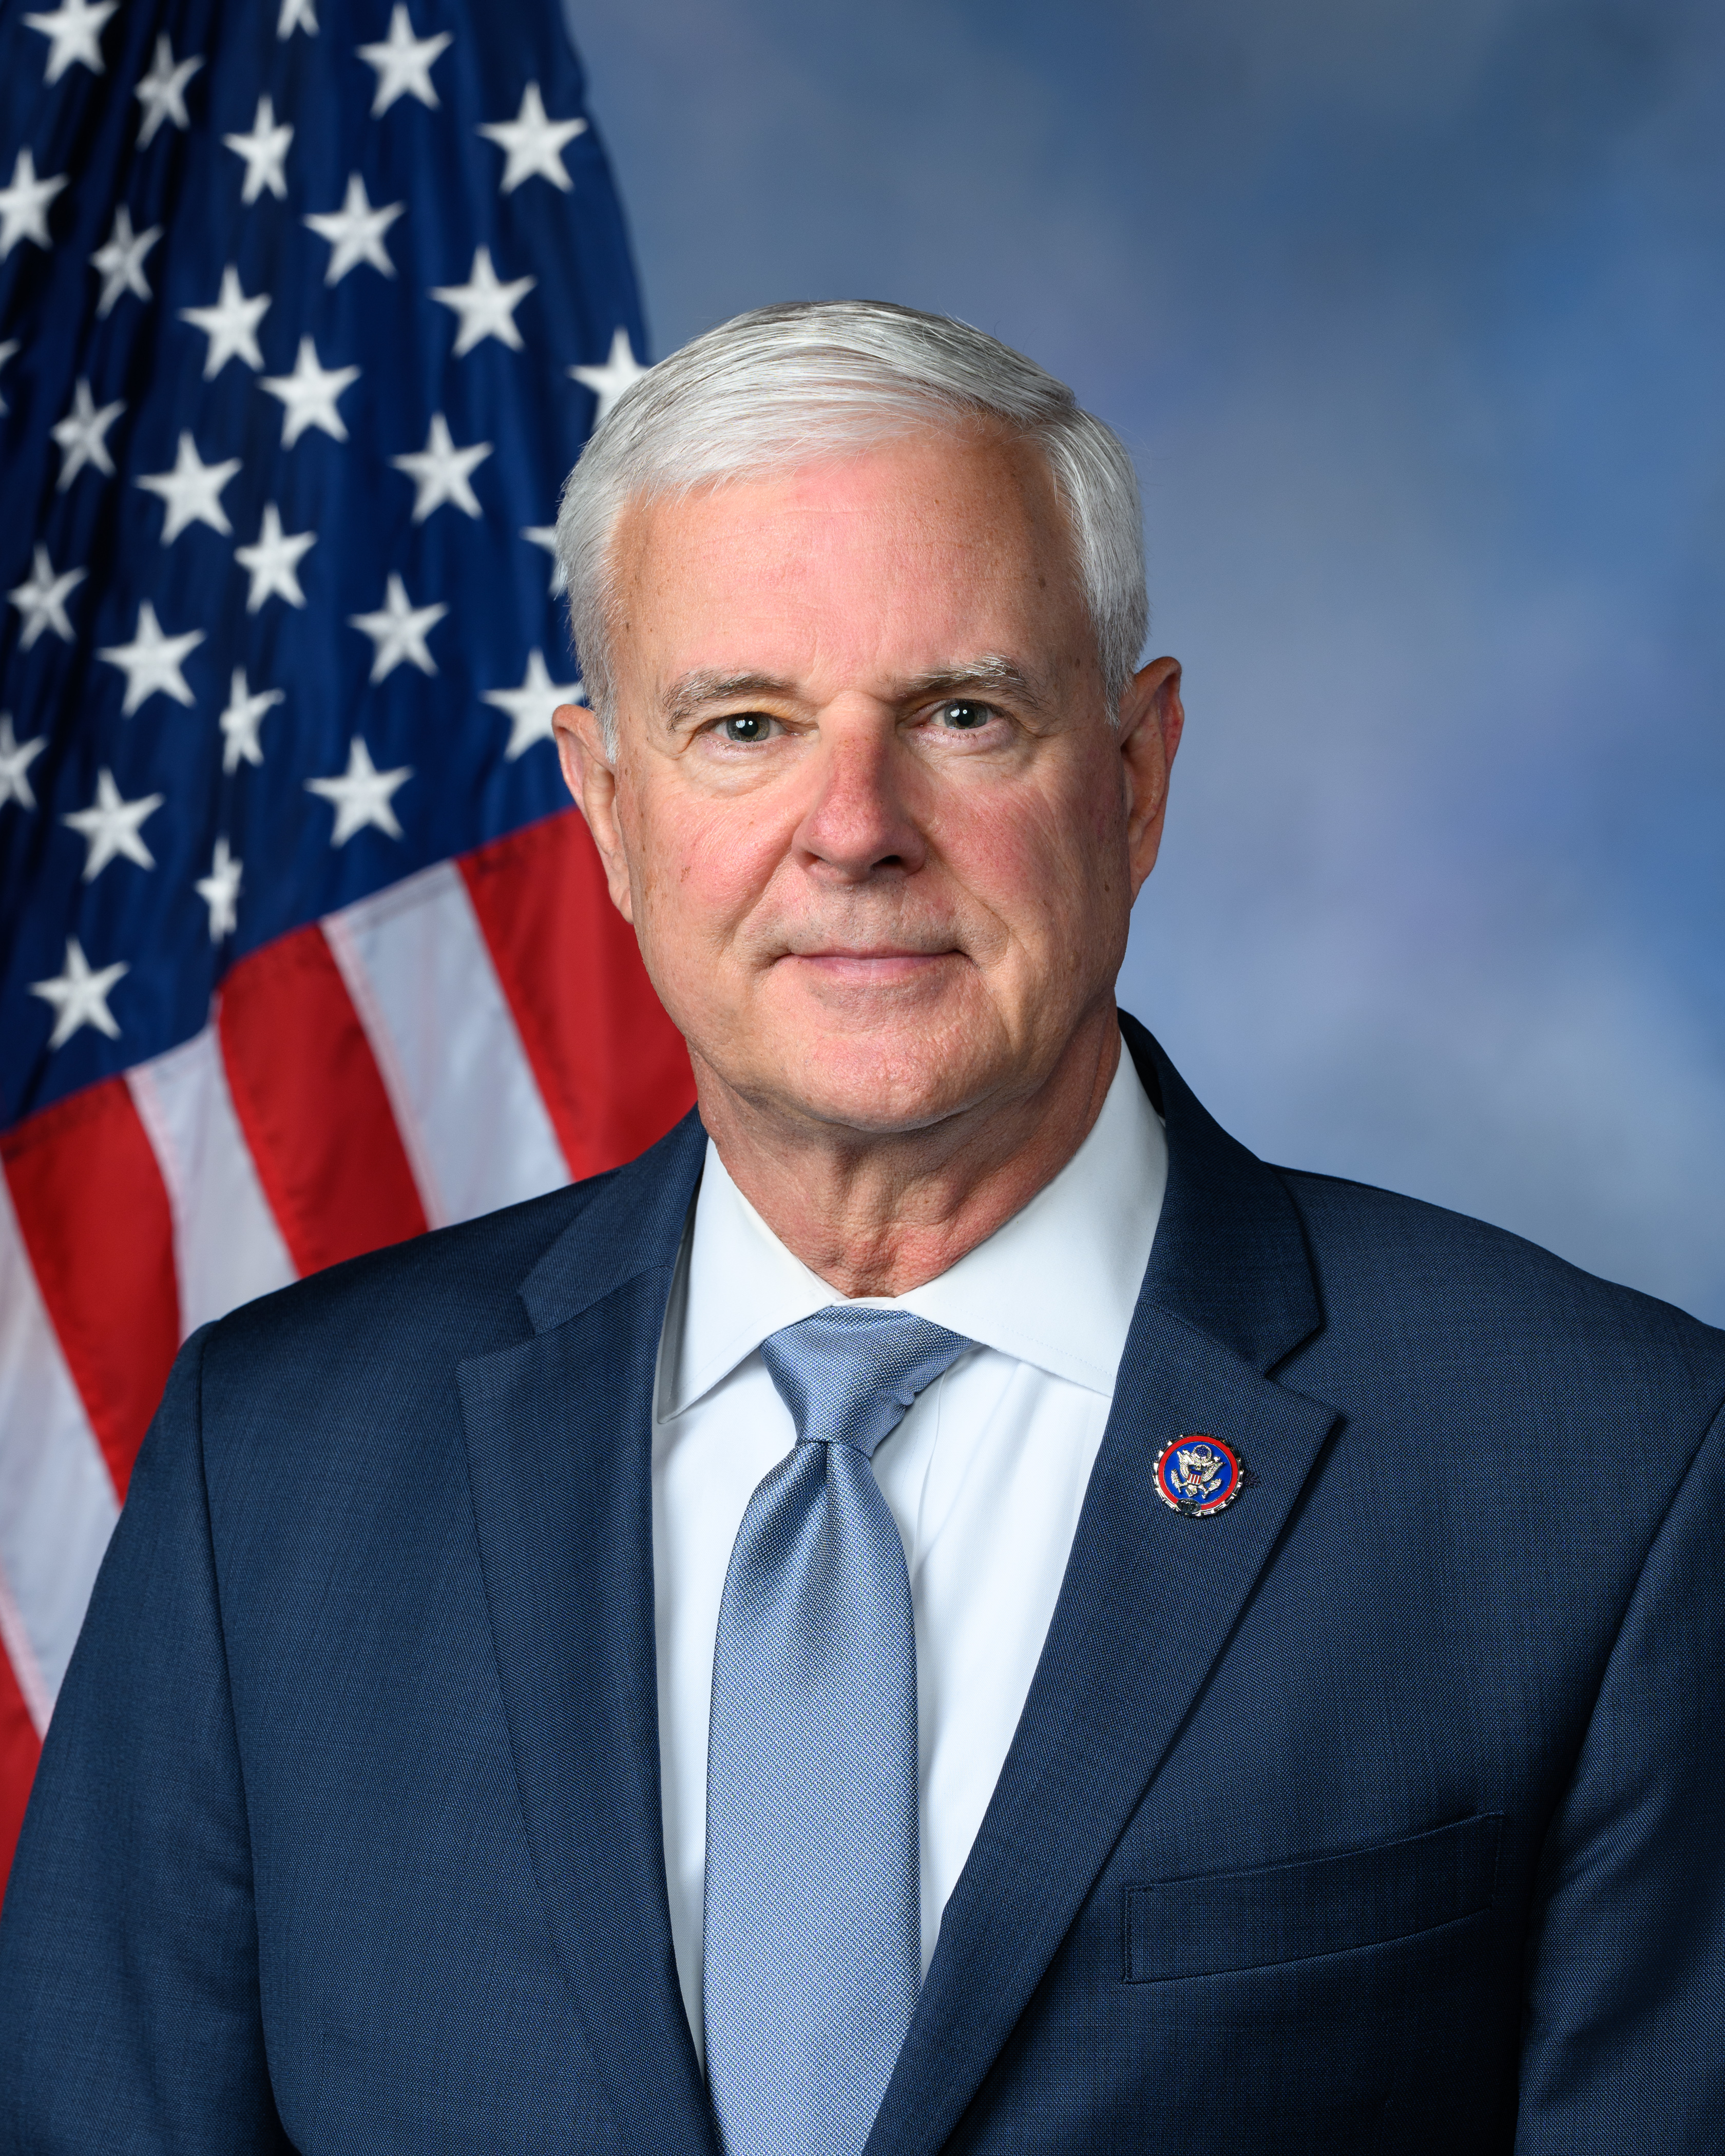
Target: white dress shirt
column 985, row 1475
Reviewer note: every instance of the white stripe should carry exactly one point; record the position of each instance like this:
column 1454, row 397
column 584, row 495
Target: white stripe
column 57, row 1502
column 469, row 1112
column 226, row 1245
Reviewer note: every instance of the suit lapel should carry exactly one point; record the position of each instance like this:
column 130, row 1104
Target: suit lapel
column 559, row 1432
column 1149, row 1601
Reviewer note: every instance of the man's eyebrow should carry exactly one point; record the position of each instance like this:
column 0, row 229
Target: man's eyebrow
column 693, row 691
column 987, row 670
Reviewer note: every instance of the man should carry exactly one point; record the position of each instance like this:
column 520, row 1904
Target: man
column 947, row 1605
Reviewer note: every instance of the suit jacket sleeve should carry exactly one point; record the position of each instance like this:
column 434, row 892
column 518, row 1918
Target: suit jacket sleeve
column 1622, row 2047
column 129, row 1992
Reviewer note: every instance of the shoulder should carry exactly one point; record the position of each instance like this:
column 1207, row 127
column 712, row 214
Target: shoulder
column 1405, row 1280
column 442, row 1296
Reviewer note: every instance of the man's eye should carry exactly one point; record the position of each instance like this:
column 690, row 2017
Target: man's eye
column 745, row 727
column 963, row 716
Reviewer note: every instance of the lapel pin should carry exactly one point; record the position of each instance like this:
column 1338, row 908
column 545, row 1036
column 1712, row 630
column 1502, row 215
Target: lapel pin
column 1199, row 1476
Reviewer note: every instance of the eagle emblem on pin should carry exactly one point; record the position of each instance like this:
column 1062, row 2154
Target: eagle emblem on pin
column 1199, row 1476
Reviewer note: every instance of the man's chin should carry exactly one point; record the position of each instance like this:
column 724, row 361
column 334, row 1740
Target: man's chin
column 882, row 1083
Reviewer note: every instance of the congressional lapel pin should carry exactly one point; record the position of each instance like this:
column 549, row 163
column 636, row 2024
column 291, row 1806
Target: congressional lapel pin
column 1199, row 1476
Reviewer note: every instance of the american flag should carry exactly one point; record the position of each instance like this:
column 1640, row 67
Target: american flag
column 306, row 307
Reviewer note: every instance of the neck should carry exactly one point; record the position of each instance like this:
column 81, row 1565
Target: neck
column 876, row 1213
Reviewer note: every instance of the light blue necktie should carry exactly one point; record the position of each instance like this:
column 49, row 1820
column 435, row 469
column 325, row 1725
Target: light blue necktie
column 813, row 1925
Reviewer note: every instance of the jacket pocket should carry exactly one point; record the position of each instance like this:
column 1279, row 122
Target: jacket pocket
column 1281, row 1912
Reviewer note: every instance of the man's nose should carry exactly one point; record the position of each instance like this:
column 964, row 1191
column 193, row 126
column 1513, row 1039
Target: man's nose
column 861, row 819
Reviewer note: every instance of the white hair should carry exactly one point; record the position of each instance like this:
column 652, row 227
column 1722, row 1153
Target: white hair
column 797, row 384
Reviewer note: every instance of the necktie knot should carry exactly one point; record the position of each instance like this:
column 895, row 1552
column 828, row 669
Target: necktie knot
column 849, row 1375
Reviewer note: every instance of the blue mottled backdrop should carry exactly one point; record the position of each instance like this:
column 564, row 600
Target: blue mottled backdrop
column 1412, row 314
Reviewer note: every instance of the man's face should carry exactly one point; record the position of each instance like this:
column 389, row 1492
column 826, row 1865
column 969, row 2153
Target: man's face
column 866, row 812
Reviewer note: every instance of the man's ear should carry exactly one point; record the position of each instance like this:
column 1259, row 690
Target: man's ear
column 1152, row 720
column 590, row 773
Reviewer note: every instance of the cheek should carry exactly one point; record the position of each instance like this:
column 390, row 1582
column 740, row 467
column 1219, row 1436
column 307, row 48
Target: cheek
column 1044, row 865
column 698, row 865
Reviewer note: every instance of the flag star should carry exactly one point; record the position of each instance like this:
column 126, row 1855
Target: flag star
column 16, row 757
column 83, row 436
column 74, row 32
column 24, row 206
column 308, row 395
column 231, row 326
column 441, row 471
column 404, row 62
column 120, row 260
column 80, row 996
column 42, row 601
column 355, row 231
column 162, row 92
column 111, row 827
column 297, row 15
column 272, row 561
column 241, row 720
column 398, row 630
column 220, row 892
column 362, row 795
column 530, row 706
column 8, row 350
column 151, row 661
column 546, row 536
column 534, row 143
column 265, row 151
column 485, row 307
column 193, row 492
column 608, row 382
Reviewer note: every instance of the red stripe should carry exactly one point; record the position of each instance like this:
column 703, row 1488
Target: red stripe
column 611, row 1067
column 312, row 1107
column 19, row 1751
column 93, row 1215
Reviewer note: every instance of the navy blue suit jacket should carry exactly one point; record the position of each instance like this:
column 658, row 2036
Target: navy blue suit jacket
column 1382, row 1811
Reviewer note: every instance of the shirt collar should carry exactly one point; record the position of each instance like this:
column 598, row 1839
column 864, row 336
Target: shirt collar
column 1055, row 1285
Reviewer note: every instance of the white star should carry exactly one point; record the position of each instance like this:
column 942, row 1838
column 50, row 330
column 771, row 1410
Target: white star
column 404, row 62
column 441, row 471
column 265, row 151
column 486, row 307
column 82, row 436
column 398, row 629
column 193, row 492
column 74, row 32
column 16, row 757
column 362, row 795
column 308, row 395
column 241, row 720
column 530, row 706
column 297, row 15
column 7, row 350
column 546, row 536
column 42, row 602
column 120, row 259
column 534, row 143
column 111, row 827
column 355, row 231
column 24, row 206
column 608, row 382
column 80, row 997
column 231, row 326
column 162, row 92
column 220, row 892
column 272, row 561
column 151, row 661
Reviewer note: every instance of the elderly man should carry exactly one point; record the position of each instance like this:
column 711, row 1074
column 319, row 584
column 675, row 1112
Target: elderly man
column 947, row 1605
